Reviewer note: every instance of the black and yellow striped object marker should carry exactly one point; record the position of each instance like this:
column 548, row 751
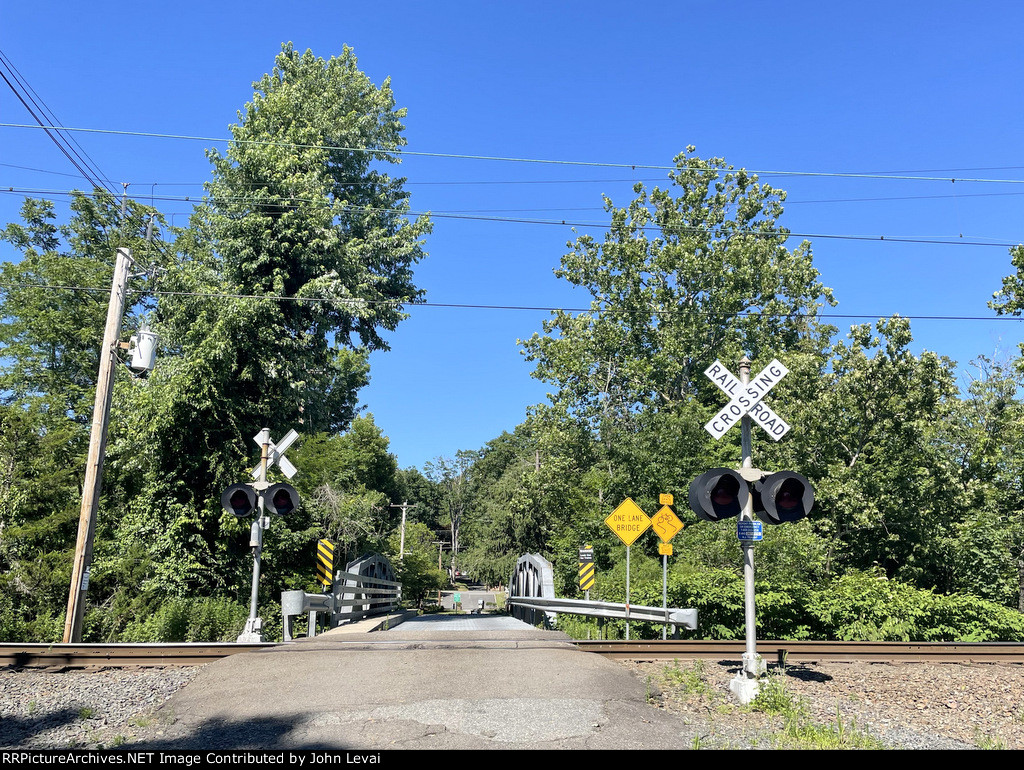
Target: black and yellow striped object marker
column 587, row 569
column 325, row 562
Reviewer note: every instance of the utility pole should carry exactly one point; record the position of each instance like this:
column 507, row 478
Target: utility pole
column 404, row 506
column 440, row 545
column 97, row 447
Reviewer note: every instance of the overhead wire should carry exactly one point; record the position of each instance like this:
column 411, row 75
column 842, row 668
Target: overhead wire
column 352, row 183
column 405, row 304
column 34, row 105
column 295, row 203
column 397, row 151
column 95, row 179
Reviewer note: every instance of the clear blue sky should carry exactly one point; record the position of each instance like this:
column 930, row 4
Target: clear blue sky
column 914, row 88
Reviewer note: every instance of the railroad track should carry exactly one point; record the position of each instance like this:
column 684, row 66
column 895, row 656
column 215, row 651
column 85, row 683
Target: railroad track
column 58, row 656
column 118, row 655
column 813, row 652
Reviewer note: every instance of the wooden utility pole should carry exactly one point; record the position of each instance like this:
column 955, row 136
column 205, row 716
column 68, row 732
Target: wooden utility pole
column 404, row 506
column 97, row 447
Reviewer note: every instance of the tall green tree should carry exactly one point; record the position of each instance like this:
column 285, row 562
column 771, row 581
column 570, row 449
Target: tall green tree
column 290, row 273
column 348, row 481
column 697, row 271
column 984, row 437
column 885, row 489
column 53, row 303
column 451, row 475
column 684, row 275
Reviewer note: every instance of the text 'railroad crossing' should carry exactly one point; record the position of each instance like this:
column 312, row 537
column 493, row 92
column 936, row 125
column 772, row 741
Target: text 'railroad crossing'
column 746, row 399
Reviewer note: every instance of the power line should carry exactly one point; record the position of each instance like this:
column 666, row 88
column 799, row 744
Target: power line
column 540, row 161
column 347, row 183
column 295, row 203
column 78, row 157
column 409, row 304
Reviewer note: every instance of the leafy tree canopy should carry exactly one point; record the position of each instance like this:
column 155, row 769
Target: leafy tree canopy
column 684, row 275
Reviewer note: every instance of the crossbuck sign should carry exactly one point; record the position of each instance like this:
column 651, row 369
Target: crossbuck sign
column 275, row 452
column 746, row 399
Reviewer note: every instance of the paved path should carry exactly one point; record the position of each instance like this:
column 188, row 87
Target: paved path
column 439, row 682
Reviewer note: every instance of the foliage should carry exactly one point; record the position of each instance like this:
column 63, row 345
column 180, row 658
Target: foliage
column 53, row 305
column 298, row 262
column 689, row 680
column 287, row 276
column 866, row 606
column 309, row 241
column 417, row 570
column 357, row 457
column 715, row 280
column 883, row 484
column 984, row 437
column 799, row 729
column 190, row 620
column 451, row 477
column 855, row 606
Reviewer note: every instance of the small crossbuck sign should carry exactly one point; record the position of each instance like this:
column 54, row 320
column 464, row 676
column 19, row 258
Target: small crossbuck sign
column 746, row 399
column 275, row 452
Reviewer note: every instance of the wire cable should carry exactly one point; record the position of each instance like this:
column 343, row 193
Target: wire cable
column 55, row 131
column 295, row 203
column 508, row 159
column 406, row 304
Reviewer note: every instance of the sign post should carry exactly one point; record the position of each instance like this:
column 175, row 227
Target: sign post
column 283, row 500
column 667, row 525
column 628, row 522
column 745, row 403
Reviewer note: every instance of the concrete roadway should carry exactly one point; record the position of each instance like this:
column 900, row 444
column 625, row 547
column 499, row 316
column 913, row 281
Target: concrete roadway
column 435, row 682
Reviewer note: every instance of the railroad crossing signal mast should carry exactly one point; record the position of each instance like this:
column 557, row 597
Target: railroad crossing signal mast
column 262, row 498
column 722, row 493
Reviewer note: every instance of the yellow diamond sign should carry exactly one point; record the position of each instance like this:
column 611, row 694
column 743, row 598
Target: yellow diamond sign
column 628, row 521
column 667, row 524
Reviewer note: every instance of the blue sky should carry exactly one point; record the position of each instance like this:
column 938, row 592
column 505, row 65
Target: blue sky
column 899, row 89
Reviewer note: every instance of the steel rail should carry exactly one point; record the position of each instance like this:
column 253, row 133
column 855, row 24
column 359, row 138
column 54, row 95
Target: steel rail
column 118, row 655
column 813, row 652
column 66, row 656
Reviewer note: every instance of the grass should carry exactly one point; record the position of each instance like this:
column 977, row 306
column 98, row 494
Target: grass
column 989, row 743
column 688, row 681
column 799, row 730
column 86, row 713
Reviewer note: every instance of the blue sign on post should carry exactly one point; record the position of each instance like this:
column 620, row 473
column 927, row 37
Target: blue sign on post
column 749, row 530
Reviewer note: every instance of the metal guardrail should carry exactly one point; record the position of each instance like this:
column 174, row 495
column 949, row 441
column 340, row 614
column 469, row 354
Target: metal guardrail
column 363, row 591
column 532, row 599
column 361, row 597
column 687, row 618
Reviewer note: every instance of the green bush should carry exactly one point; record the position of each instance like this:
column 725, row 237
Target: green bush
column 866, row 606
column 189, row 620
column 858, row 606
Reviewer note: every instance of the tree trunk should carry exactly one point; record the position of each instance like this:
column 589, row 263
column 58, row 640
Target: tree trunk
column 1020, row 584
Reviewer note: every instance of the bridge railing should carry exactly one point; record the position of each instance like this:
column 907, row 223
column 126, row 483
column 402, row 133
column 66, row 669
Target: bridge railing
column 674, row 616
column 366, row 588
column 531, row 598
